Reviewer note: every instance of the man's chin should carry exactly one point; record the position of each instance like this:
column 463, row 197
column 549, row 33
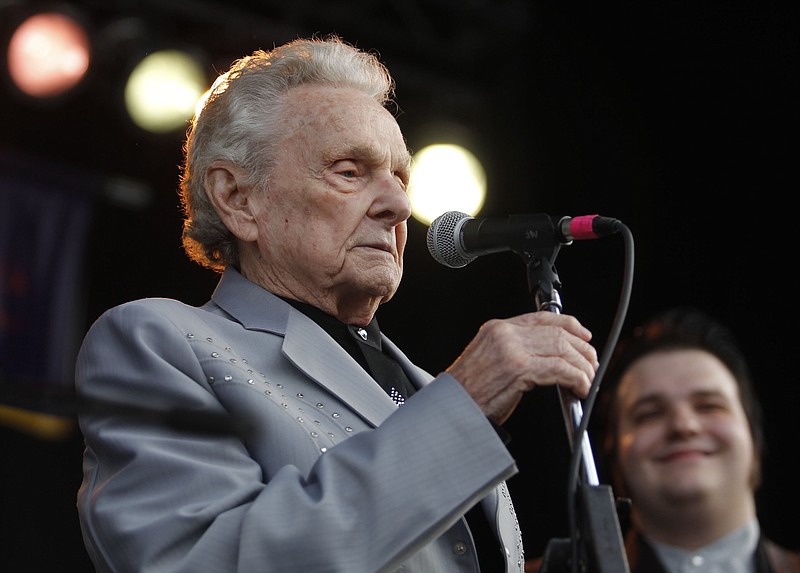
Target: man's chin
column 382, row 281
column 686, row 490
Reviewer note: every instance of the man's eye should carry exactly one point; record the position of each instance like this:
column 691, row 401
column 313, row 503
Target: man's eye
column 710, row 406
column 402, row 177
column 643, row 416
column 346, row 168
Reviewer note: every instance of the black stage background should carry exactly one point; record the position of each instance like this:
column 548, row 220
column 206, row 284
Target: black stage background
column 677, row 117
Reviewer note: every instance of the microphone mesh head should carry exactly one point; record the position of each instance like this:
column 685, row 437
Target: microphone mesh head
column 444, row 239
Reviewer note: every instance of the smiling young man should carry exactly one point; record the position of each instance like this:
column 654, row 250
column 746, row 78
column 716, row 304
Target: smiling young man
column 684, row 443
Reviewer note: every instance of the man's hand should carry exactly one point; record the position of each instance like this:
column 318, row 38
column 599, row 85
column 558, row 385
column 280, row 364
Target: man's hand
column 511, row 356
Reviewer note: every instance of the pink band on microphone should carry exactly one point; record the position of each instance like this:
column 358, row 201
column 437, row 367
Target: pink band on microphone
column 581, row 227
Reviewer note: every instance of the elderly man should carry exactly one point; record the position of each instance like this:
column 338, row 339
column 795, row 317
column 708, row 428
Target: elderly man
column 276, row 428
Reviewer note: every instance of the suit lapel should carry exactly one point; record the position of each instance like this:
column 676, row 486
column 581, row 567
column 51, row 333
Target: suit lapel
column 305, row 344
column 329, row 365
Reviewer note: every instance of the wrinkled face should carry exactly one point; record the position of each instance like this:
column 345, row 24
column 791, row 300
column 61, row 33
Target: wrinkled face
column 332, row 224
column 683, row 436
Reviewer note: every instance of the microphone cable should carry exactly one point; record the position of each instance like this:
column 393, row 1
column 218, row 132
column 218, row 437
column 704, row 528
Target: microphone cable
column 588, row 403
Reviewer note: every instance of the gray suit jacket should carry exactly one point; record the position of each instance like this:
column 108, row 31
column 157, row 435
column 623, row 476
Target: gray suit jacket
column 318, row 470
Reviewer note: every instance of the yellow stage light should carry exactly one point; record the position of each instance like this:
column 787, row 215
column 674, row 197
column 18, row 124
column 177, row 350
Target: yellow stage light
column 446, row 177
column 163, row 89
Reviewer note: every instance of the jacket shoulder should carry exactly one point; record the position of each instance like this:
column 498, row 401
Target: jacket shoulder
column 150, row 308
column 782, row 560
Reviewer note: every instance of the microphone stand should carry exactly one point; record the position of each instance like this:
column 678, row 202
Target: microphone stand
column 598, row 546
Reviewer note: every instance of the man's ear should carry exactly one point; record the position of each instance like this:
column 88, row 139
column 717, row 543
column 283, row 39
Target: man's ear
column 232, row 198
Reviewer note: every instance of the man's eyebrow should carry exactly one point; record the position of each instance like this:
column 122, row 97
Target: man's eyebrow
column 361, row 151
column 366, row 152
column 657, row 398
column 714, row 394
column 346, row 151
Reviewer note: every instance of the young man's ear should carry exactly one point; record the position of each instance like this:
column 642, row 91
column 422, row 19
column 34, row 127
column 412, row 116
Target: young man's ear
column 231, row 196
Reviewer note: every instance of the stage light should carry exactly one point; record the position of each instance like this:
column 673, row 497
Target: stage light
column 163, row 89
column 445, row 177
column 48, row 55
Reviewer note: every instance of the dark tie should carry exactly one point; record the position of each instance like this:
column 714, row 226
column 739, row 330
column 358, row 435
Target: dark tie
column 385, row 370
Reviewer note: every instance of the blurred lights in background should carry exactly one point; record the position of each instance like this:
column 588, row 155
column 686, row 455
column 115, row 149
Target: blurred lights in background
column 445, row 177
column 49, row 54
column 163, row 90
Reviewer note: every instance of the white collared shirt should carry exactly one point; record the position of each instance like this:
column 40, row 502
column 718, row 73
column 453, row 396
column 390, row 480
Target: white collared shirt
column 734, row 553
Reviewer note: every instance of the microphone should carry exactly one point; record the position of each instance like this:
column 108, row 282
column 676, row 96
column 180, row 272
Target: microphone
column 456, row 239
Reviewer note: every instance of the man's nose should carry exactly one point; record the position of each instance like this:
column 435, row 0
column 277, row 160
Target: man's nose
column 684, row 420
column 392, row 202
